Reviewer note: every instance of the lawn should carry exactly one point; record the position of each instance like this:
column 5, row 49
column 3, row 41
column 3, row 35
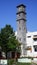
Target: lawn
column 11, row 62
column 23, row 64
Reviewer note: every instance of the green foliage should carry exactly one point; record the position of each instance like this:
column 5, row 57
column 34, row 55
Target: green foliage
column 8, row 40
column 10, row 61
column 4, row 37
column 23, row 64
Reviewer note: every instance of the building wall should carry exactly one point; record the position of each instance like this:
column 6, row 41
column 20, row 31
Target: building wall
column 31, row 41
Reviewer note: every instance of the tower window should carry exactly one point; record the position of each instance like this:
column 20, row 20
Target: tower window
column 20, row 39
column 19, row 28
column 20, row 8
column 19, row 22
column 19, row 14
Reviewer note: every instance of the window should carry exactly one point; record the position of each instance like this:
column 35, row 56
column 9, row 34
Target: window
column 35, row 35
column 19, row 14
column 19, row 28
column 20, row 39
column 28, row 48
column 21, row 8
column 35, row 39
column 19, row 22
column 35, row 48
column 28, row 36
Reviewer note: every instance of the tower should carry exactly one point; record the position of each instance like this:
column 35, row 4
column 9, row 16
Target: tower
column 21, row 27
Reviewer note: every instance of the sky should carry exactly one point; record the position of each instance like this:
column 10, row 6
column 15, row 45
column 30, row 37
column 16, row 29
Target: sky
column 8, row 13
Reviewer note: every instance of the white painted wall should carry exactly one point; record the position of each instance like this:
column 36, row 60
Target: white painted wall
column 31, row 42
column 3, row 62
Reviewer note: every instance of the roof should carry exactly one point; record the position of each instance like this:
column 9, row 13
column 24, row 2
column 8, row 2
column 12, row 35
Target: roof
column 21, row 5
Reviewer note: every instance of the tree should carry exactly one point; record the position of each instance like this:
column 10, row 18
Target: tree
column 14, row 45
column 8, row 40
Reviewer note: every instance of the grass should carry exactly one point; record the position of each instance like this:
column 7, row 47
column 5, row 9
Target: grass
column 23, row 64
column 11, row 62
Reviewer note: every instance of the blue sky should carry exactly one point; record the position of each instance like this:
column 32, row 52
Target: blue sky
column 8, row 13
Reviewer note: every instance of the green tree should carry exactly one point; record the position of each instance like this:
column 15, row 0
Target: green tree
column 8, row 40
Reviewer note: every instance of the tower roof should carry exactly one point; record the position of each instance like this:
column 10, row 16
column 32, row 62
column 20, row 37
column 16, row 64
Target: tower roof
column 21, row 5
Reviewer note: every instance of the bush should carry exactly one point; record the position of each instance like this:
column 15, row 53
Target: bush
column 10, row 61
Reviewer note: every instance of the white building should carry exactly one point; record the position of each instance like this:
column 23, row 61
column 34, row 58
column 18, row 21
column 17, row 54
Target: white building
column 31, row 41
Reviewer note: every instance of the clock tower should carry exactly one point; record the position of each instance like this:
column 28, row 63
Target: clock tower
column 21, row 27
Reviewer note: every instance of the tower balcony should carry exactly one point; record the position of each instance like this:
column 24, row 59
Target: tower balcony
column 21, row 18
column 21, row 15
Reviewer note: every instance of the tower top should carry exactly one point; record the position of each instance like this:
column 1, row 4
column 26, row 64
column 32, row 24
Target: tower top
column 21, row 5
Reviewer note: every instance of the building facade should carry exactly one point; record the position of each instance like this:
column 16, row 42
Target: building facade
column 31, row 39
column 21, row 27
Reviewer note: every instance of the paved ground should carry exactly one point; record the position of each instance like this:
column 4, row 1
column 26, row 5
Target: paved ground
column 34, row 62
